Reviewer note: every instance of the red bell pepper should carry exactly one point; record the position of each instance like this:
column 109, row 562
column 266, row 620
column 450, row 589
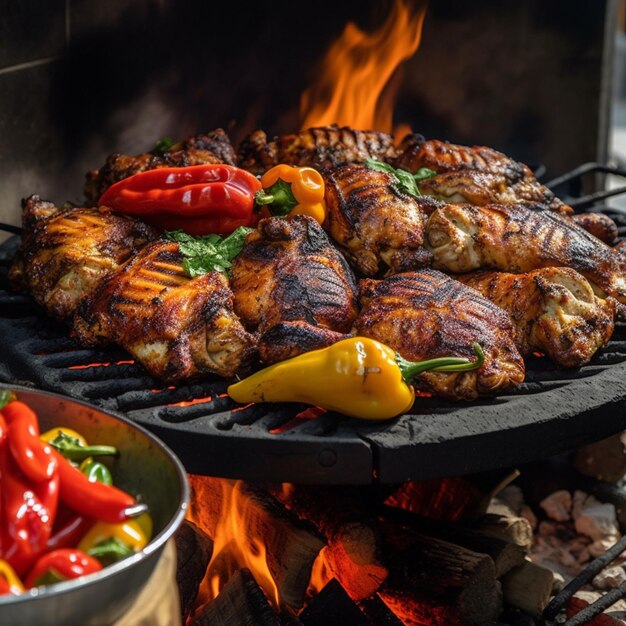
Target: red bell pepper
column 62, row 564
column 93, row 499
column 199, row 199
column 33, row 456
column 26, row 522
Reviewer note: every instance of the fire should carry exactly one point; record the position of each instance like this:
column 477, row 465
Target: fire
column 233, row 547
column 356, row 86
column 321, row 573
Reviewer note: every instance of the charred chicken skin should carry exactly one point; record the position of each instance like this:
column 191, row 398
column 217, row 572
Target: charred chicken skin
column 178, row 327
column 213, row 147
column 476, row 174
column 66, row 253
column 426, row 314
column 514, row 238
column 322, row 147
column 379, row 227
column 293, row 288
column 553, row 309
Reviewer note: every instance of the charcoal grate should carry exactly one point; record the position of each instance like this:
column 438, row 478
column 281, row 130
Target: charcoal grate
column 553, row 410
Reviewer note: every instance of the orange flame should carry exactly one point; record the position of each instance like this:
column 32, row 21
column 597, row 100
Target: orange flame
column 355, row 86
column 233, row 548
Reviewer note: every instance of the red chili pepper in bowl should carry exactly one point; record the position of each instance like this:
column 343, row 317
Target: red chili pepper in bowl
column 93, row 499
column 199, row 199
column 33, row 456
column 62, row 564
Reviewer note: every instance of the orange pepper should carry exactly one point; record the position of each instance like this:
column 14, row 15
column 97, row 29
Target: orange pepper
column 289, row 190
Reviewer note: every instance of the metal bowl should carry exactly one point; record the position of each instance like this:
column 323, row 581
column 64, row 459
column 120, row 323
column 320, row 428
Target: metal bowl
column 144, row 466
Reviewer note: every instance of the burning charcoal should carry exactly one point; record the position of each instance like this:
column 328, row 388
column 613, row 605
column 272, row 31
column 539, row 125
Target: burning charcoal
column 240, row 602
column 558, row 505
column 332, row 605
column 194, row 549
column 378, row 612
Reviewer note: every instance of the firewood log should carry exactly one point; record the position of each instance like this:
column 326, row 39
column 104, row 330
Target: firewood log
column 528, row 587
column 332, row 605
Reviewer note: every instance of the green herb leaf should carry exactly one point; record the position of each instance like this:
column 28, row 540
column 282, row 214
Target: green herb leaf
column 163, row 145
column 209, row 253
column 423, row 174
column 110, row 551
column 406, row 181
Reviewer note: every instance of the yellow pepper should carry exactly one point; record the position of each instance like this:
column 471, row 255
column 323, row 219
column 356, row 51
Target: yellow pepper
column 134, row 533
column 358, row 376
column 53, row 433
column 10, row 582
column 291, row 190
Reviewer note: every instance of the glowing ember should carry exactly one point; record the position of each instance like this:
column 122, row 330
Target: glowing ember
column 355, row 86
column 321, row 573
column 106, row 364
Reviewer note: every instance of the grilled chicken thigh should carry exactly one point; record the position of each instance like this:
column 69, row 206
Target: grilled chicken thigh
column 426, row 314
column 177, row 327
column 213, row 147
column 322, row 147
column 477, row 174
column 378, row 226
column 66, row 253
column 293, row 288
column 516, row 239
column 599, row 225
column 553, row 309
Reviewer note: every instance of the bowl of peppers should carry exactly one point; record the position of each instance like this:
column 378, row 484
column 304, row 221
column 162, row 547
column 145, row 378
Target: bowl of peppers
column 88, row 500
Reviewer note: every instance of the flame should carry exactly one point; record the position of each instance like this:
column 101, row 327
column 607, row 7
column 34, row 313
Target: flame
column 355, row 87
column 233, row 547
column 321, row 573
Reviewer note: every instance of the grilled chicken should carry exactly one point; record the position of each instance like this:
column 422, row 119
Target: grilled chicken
column 213, row 147
column 177, row 327
column 322, row 147
column 293, row 288
column 379, row 227
column 599, row 225
column 66, row 253
column 477, row 174
column 426, row 314
column 553, row 309
column 516, row 239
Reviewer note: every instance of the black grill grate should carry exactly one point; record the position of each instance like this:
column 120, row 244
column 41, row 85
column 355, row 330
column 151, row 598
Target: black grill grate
column 553, row 410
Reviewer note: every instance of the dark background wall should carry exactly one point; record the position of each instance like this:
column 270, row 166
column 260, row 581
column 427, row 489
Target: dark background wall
column 80, row 79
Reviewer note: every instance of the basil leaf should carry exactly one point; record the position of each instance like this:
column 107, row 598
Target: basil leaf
column 208, row 253
column 406, row 181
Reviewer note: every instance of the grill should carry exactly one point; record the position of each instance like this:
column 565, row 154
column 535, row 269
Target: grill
column 553, row 410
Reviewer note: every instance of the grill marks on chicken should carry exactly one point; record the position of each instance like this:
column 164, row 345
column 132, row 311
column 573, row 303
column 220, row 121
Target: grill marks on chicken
column 426, row 314
column 553, row 309
column 322, row 147
column 66, row 253
column 379, row 227
column 213, row 147
column 293, row 288
column 516, row 239
column 476, row 174
column 178, row 327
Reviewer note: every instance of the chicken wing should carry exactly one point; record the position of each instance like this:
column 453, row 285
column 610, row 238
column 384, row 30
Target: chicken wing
column 514, row 238
column 66, row 253
column 213, row 147
column 426, row 314
column 553, row 309
column 378, row 226
column 477, row 174
column 178, row 327
column 317, row 147
column 293, row 288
